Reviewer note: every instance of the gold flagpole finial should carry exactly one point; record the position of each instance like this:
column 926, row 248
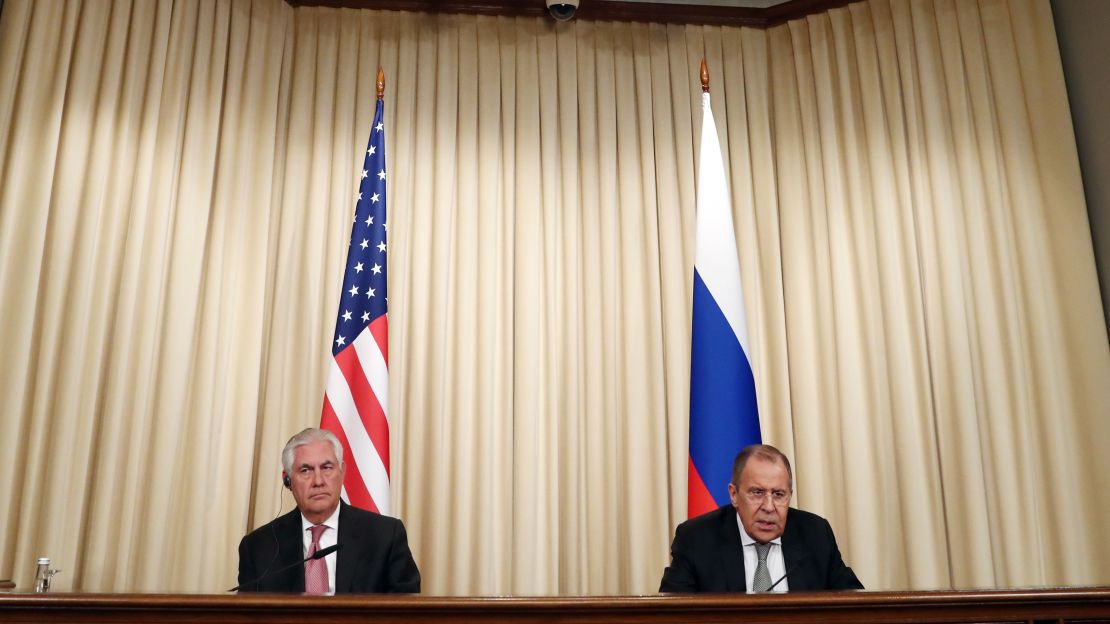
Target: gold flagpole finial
column 704, row 77
column 381, row 83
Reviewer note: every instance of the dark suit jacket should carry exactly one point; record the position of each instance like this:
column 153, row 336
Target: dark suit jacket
column 373, row 557
column 707, row 555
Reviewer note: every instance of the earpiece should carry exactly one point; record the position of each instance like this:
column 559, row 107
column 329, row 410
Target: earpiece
column 286, row 481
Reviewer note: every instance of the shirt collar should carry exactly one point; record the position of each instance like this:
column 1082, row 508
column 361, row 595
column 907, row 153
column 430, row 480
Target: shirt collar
column 747, row 540
column 332, row 522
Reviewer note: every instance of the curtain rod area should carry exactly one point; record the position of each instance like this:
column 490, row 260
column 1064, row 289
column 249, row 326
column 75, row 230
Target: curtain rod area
column 605, row 10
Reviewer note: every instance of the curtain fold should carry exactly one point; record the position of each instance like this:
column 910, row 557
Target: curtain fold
column 176, row 186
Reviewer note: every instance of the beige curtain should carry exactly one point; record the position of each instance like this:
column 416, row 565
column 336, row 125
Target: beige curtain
column 176, row 185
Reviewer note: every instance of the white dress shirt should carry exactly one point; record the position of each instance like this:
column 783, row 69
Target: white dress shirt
column 776, row 565
column 329, row 538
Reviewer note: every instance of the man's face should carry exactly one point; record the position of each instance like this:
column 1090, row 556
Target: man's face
column 317, row 480
column 761, row 482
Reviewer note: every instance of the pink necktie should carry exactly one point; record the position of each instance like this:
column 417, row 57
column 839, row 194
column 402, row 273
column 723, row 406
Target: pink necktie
column 316, row 571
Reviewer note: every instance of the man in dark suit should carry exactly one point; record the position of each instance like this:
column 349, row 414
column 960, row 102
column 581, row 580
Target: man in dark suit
column 373, row 557
column 758, row 543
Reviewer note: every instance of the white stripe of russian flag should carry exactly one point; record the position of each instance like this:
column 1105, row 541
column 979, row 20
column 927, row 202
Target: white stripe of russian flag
column 715, row 256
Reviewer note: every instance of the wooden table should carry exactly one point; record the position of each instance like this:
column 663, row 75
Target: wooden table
column 1012, row 605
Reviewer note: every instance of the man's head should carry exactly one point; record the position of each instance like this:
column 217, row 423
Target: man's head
column 762, row 484
column 313, row 464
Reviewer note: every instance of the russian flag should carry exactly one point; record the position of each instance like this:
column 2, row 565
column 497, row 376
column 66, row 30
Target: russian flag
column 723, row 413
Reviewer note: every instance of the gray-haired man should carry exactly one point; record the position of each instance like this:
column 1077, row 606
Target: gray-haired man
column 373, row 554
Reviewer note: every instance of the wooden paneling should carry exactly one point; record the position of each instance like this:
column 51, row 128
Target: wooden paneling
column 1026, row 605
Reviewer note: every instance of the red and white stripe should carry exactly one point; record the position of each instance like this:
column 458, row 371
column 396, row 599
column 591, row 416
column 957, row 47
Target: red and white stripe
column 356, row 410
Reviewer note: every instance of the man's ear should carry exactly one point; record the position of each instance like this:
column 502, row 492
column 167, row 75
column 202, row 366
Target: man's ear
column 287, row 482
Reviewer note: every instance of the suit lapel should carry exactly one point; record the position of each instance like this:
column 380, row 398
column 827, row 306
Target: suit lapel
column 292, row 549
column 732, row 555
column 345, row 558
column 799, row 576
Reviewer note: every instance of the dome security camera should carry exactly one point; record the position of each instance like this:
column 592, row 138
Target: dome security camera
column 562, row 10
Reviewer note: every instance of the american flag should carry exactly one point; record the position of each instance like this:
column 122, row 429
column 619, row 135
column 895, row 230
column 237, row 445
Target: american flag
column 356, row 401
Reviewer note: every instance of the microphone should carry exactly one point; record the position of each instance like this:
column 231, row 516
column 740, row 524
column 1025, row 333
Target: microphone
column 781, row 579
column 788, row 571
column 319, row 554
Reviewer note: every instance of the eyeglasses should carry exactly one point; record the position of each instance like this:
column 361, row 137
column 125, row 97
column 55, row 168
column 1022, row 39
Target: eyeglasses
column 779, row 498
